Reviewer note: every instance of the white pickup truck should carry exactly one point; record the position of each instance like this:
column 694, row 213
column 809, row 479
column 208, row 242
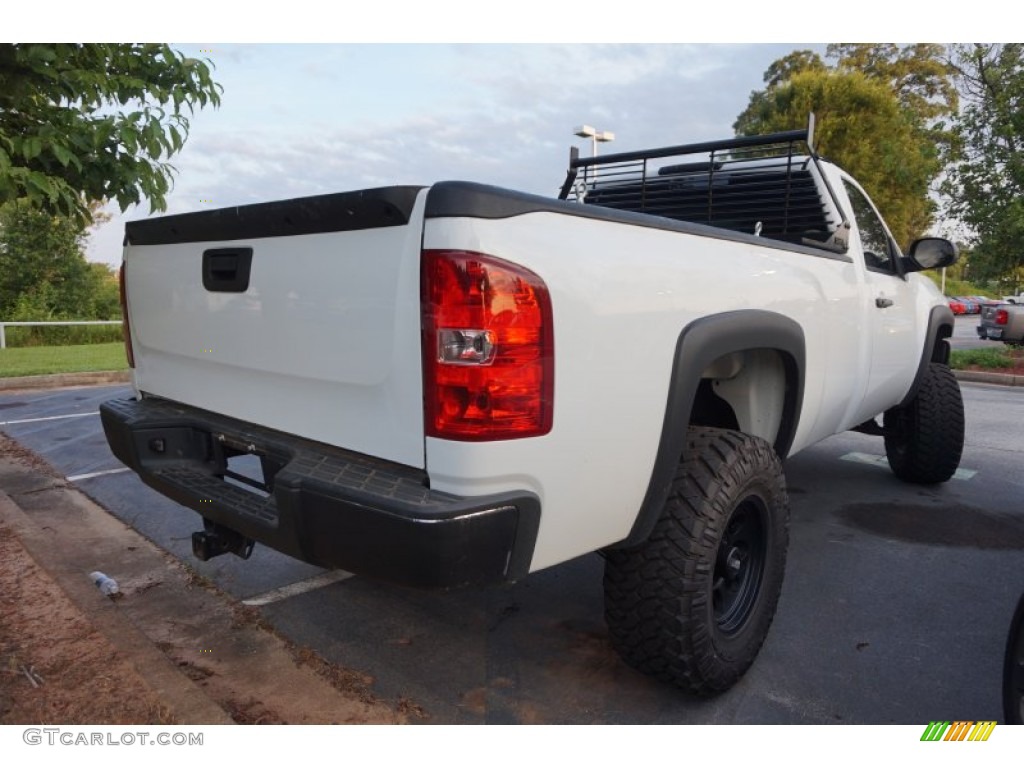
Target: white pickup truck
column 461, row 384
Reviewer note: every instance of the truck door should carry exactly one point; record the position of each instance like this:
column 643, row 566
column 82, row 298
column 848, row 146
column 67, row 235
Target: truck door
column 888, row 311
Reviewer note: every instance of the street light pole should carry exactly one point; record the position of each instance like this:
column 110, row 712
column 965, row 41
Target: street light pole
column 595, row 136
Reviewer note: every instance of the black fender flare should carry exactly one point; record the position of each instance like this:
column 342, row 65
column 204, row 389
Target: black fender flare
column 936, row 349
column 700, row 343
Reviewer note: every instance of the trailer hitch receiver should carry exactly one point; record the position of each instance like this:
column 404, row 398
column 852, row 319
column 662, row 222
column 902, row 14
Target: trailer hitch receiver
column 215, row 540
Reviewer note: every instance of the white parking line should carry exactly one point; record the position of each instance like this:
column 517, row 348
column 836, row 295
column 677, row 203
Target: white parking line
column 881, row 461
column 90, row 475
column 49, row 418
column 298, row 588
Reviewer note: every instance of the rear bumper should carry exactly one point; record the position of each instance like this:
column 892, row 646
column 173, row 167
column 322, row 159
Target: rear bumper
column 325, row 505
column 990, row 332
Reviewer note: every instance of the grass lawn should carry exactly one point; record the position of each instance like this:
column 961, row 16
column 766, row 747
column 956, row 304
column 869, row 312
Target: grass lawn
column 999, row 359
column 32, row 361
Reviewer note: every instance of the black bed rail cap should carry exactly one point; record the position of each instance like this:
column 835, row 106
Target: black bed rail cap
column 335, row 212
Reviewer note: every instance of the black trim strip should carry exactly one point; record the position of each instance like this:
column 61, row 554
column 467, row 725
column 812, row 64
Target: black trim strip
column 480, row 201
column 701, row 343
column 339, row 212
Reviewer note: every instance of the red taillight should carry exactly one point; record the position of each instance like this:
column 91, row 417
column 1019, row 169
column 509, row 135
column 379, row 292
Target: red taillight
column 126, row 330
column 1002, row 317
column 488, row 348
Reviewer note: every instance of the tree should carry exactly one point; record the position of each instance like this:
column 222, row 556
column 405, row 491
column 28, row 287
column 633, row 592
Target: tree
column 920, row 74
column 105, row 291
column 879, row 110
column 782, row 69
column 986, row 182
column 81, row 122
column 863, row 129
column 44, row 274
column 42, row 270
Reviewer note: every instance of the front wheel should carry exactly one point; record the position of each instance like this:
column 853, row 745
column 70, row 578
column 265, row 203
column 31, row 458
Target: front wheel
column 924, row 439
column 692, row 605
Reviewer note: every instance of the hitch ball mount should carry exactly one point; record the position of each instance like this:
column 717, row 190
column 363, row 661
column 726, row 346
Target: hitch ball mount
column 215, row 540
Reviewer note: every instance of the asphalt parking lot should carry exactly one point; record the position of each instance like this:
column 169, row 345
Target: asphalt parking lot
column 895, row 607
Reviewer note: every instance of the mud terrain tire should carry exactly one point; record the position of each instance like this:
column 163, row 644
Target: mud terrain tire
column 692, row 605
column 924, row 439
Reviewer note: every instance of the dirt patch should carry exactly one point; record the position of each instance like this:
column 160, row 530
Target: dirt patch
column 253, row 712
column 1017, row 369
column 56, row 668
column 170, row 648
column 347, row 680
column 16, row 452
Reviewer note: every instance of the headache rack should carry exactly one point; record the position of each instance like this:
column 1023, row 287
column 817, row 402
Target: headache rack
column 760, row 185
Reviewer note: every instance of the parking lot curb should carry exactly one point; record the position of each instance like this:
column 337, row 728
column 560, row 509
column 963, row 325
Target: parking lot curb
column 984, row 377
column 55, row 380
column 209, row 659
column 185, row 700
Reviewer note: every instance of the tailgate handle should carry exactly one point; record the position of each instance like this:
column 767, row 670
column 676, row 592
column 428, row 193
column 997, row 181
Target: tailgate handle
column 226, row 270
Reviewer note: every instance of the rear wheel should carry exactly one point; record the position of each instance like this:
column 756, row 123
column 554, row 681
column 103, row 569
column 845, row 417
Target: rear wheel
column 692, row 605
column 924, row 439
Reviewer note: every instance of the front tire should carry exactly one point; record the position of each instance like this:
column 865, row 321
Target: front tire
column 692, row 605
column 925, row 438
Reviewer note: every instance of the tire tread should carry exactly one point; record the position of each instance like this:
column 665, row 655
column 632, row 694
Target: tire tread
column 924, row 439
column 656, row 594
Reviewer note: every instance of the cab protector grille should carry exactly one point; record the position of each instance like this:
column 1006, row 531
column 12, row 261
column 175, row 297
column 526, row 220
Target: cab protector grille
column 758, row 185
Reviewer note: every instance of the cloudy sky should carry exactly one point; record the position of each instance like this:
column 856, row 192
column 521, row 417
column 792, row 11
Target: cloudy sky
column 326, row 97
column 303, row 119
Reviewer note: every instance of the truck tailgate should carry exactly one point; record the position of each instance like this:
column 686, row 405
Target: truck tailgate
column 300, row 315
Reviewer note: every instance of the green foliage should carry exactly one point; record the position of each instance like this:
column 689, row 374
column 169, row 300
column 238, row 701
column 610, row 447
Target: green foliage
column 877, row 109
column 44, row 276
column 42, row 269
column 105, row 293
column 958, row 287
column 90, row 121
column 783, row 69
column 919, row 74
column 862, row 128
column 990, row 357
column 986, row 183
column 58, row 335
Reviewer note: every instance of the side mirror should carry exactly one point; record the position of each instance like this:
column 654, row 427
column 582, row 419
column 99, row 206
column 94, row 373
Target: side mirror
column 930, row 253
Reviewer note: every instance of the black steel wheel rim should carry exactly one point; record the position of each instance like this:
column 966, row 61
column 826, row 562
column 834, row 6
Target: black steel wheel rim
column 739, row 566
